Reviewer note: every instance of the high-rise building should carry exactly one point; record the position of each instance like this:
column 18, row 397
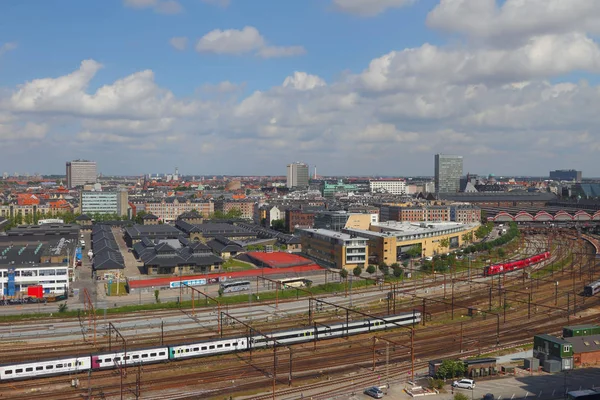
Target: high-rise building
column 80, row 172
column 297, row 175
column 116, row 202
column 448, row 171
column 565, row 175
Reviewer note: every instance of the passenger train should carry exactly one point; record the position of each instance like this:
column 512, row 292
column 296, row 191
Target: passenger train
column 510, row 266
column 95, row 362
column 592, row 289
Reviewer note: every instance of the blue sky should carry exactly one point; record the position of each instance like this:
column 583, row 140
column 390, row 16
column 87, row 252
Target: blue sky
column 362, row 87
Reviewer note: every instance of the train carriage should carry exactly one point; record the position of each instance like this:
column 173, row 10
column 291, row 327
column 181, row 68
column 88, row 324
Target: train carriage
column 37, row 369
column 592, row 289
column 133, row 357
column 207, row 348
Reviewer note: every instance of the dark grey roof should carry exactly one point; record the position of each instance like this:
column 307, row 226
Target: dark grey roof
column 149, row 217
column 83, row 217
column 584, row 344
column 44, row 230
column 213, row 228
column 221, row 244
column 163, row 255
column 108, row 260
column 266, row 233
column 152, row 231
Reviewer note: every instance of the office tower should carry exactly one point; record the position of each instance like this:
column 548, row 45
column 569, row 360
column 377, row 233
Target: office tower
column 448, row 171
column 80, row 172
column 297, row 175
column 565, row 175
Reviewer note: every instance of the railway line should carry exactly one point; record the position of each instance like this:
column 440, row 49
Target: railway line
column 216, row 371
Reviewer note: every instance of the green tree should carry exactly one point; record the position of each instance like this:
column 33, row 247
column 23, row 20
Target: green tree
column 221, row 292
column 415, row 251
column 501, row 253
column 451, row 369
column 357, row 271
column 63, row 307
column 398, row 272
column 371, row 269
column 385, row 270
column 278, row 225
column 344, row 273
column 467, row 237
column 444, row 243
column 139, row 216
column 156, row 294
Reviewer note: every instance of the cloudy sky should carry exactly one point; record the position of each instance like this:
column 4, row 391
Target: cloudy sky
column 362, row 87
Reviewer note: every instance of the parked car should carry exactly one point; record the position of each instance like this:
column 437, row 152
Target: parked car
column 374, row 392
column 464, row 384
column 488, row 396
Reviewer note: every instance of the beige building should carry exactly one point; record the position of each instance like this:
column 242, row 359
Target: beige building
column 334, row 249
column 389, row 240
column 167, row 210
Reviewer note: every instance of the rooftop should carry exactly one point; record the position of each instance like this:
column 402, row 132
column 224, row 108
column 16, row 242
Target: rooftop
column 332, row 234
column 278, row 259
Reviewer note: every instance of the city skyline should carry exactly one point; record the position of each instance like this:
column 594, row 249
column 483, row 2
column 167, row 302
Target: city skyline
column 372, row 88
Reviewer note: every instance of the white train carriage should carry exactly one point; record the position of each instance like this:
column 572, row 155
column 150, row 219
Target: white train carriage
column 37, row 369
column 207, row 348
column 133, row 357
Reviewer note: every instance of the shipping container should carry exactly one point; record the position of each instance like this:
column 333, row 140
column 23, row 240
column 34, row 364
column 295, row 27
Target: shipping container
column 547, row 346
column 581, row 330
column 35, row 291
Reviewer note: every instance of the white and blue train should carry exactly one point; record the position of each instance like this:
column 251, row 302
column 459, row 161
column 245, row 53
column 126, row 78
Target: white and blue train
column 95, row 362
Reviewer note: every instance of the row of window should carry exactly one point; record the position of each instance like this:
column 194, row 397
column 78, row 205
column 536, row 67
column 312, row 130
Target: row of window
column 204, row 348
column 41, row 368
column 134, row 357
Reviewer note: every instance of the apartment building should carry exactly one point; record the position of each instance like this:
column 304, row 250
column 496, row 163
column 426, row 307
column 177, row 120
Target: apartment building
column 395, row 186
column 296, row 218
column 114, row 202
column 168, row 209
column 245, row 206
column 334, row 249
column 81, row 172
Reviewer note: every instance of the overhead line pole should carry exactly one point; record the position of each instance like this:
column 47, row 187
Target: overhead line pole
column 206, row 298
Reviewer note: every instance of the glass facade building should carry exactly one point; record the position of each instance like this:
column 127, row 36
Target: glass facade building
column 448, row 171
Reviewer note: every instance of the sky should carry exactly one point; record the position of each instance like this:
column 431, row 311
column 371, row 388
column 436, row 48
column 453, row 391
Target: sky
column 353, row 87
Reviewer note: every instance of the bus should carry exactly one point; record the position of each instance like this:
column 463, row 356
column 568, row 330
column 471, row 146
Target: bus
column 586, row 394
column 294, row 282
column 229, row 287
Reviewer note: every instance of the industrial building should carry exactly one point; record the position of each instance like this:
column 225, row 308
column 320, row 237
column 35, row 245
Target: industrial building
column 396, row 186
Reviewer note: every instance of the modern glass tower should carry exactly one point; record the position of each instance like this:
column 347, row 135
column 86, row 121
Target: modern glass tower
column 448, row 170
column 297, row 175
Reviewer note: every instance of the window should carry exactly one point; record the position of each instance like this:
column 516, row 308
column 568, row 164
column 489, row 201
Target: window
column 219, row 346
column 18, row 371
column 203, row 348
column 162, row 353
column 136, row 356
column 49, row 366
column 40, row 368
column 117, row 359
column 29, row 369
column 8, row 372
column 212, row 346
column 196, row 349
column 144, row 355
column 154, row 354
column 59, row 365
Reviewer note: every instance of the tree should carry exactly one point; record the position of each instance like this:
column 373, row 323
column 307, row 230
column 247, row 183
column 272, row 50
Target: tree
column 139, row 216
column 415, row 251
column 63, row 307
column 344, row 273
column 451, row 369
column 357, row 271
column 278, row 225
column 398, row 272
column 501, row 253
column 467, row 237
column 444, row 243
column 371, row 269
column 156, row 294
column 221, row 292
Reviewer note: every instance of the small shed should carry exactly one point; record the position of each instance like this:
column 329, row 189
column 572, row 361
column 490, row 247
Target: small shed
column 480, row 367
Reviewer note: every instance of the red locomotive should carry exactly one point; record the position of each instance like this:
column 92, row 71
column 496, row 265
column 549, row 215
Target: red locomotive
column 498, row 269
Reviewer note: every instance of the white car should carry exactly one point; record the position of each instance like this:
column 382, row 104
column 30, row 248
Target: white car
column 464, row 384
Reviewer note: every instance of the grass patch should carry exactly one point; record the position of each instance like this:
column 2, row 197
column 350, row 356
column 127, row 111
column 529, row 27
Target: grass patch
column 112, row 289
column 236, row 265
column 504, row 352
column 550, row 269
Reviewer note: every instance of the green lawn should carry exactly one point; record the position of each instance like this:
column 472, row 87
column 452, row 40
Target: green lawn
column 236, row 265
column 113, row 289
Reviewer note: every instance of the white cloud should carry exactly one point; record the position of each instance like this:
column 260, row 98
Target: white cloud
column 6, row 47
column 246, row 40
column 158, row 6
column 303, row 81
column 222, row 87
column 369, row 8
column 486, row 19
column 136, row 95
column 179, row 43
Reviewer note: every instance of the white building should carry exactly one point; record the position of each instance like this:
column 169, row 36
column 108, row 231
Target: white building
column 54, row 279
column 80, row 172
column 275, row 214
column 91, row 202
column 388, row 186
